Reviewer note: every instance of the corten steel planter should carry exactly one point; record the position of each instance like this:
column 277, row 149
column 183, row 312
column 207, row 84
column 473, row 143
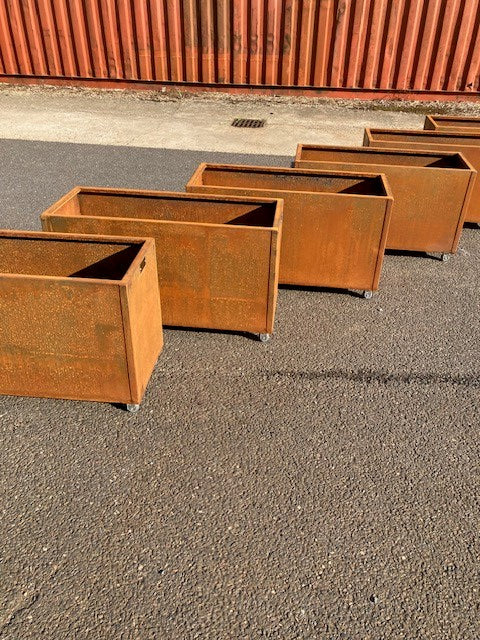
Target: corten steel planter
column 217, row 256
column 80, row 316
column 430, row 190
column 461, row 124
column 334, row 225
column 468, row 144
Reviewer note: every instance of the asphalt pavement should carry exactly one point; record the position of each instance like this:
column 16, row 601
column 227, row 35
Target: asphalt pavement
column 324, row 485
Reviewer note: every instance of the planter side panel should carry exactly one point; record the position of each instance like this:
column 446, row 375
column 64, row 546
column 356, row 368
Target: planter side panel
column 429, row 204
column 142, row 314
column 327, row 240
column 62, row 340
column 211, row 276
column 471, row 153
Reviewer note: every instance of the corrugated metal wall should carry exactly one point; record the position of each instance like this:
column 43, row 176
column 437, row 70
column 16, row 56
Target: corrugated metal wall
column 343, row 46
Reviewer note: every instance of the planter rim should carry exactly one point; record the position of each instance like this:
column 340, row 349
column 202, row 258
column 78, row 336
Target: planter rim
column 194, row 180
column 169, row 195
column 275, row 226
column 381, row 151
column 451, row 118
column 43, row 236
column 422, row 133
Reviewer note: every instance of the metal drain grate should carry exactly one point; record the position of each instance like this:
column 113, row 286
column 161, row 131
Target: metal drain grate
column 248, row 123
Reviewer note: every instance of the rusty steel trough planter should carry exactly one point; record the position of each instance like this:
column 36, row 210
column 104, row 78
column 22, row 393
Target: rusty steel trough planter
column 217, row 256
column 462, row 124
column 430, row 190
column 468, row 144
column 334, row 226
column 80, row 316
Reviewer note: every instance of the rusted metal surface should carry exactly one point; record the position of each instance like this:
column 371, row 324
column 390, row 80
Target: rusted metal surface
column 452, row 123
column 217, row 256
column 80, row 316
column 334, row 226
column 468, row 144
column 431, row 190
column 362, row 48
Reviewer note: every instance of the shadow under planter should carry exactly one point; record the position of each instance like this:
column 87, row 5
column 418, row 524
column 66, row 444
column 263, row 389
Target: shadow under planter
column 431, row 190
column 217, row 257
column 468, row 144
column 335, row 224
column 80, row 316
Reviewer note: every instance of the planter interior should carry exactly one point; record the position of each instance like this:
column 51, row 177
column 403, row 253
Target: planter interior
column 451, row 122
column 177, row 208
column 66, row 258
column 367, row 155
column 422, row 137
column 294, row 180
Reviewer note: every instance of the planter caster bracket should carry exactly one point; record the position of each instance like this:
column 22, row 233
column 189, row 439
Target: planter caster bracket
column 445, row 257
column 367, row 294
column 132, row 408
column 264, row 337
